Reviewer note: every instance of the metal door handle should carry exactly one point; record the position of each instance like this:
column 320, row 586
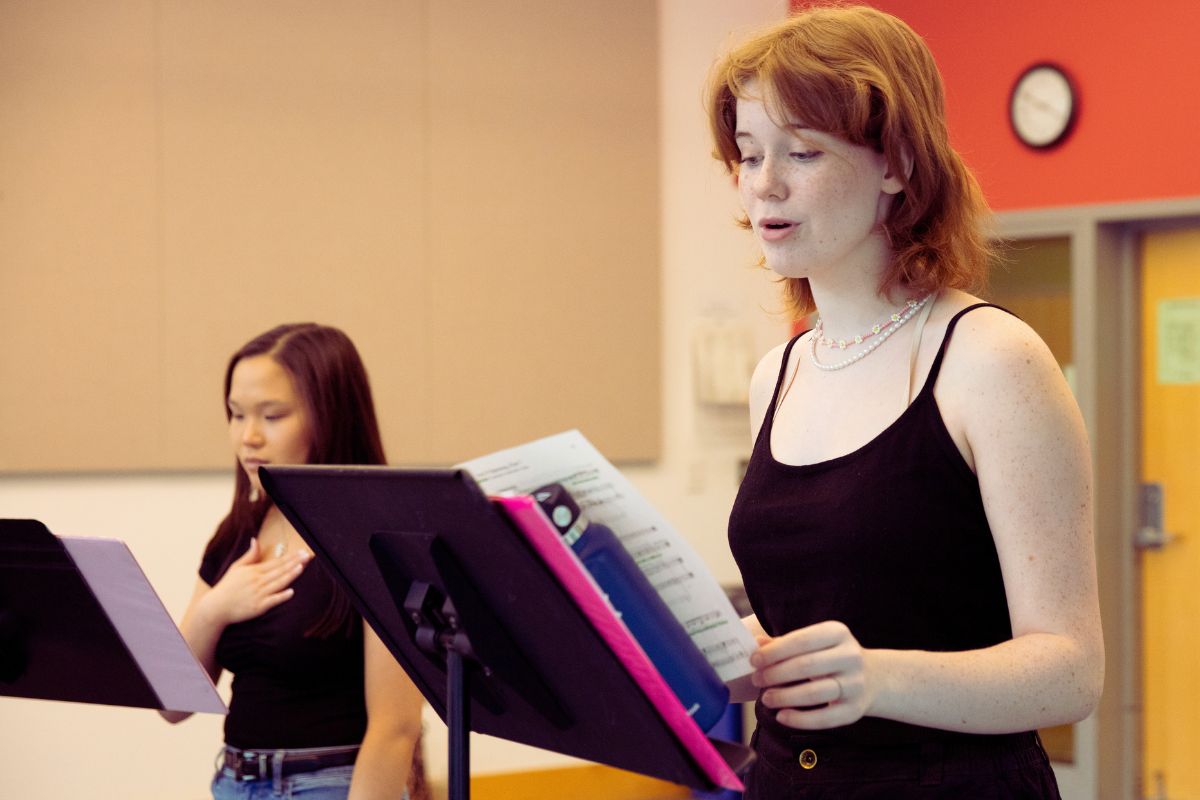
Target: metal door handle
column 1151, row 536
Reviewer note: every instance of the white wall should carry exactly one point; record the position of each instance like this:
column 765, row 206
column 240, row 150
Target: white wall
column 58, row 750
column 53, row 750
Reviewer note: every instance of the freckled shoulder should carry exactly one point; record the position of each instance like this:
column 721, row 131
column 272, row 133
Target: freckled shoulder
column 994, row 362
column 991, row 347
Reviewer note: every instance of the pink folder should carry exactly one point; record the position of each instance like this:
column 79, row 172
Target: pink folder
column 541, row 534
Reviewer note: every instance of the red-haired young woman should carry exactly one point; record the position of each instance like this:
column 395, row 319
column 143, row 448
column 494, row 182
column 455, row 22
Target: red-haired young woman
column 914, row 529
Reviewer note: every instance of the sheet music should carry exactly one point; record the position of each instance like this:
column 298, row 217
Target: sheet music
column 606, row 496
column 144, row 625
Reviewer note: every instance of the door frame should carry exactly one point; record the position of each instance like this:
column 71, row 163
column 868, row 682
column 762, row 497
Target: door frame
column 1106, row 321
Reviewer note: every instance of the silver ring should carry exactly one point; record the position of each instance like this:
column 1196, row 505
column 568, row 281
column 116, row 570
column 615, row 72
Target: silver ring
column 839, row 685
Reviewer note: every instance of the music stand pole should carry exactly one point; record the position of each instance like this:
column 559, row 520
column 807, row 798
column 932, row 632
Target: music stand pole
column 459, row 722
column 437, row 633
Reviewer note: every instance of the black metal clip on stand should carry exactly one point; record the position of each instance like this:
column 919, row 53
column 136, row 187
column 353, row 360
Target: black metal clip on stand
column 478, row 621
column 438, row 634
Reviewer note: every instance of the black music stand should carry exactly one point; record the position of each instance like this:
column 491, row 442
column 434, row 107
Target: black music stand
column 80, row 622
column 472, row 613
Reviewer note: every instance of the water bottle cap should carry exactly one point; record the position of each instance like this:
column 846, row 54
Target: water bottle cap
column 558, row 504
column 561, row 517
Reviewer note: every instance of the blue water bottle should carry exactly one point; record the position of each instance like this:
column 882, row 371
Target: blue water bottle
column 637, row 604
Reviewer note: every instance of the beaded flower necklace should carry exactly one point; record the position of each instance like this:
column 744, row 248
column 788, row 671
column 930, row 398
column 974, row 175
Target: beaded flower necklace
column 879, row 333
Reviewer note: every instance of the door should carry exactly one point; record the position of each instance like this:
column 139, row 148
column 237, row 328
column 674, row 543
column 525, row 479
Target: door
column 1032, row 279
column 1170, row 435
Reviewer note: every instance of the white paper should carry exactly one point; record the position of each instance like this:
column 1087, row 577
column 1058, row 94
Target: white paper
column 605, row 496
column 135, row 610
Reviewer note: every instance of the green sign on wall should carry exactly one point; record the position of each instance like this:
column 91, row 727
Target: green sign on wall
column 1179, row 340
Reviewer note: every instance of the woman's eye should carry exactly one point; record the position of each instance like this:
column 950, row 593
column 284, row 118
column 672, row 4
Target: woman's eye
column 805, row 155
column 750, row 161
column 236, row 416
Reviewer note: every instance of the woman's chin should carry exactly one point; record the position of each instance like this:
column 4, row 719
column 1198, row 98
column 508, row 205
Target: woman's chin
column 789, row 271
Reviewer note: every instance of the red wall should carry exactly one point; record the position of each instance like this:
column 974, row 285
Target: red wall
column 1137, row 69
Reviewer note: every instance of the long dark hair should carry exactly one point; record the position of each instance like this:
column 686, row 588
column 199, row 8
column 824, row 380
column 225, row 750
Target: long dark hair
column 331, row 381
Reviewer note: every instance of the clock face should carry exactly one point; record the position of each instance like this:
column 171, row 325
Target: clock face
column 1042, row 107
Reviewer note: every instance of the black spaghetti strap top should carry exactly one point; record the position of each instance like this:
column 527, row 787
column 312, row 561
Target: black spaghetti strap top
column 890, row 539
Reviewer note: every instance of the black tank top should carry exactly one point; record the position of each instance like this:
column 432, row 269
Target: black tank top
column 291, row 690
column 890, row 539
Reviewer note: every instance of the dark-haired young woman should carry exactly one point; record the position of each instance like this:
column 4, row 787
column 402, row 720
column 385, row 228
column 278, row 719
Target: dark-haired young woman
column 914, row 529
column 320, row 710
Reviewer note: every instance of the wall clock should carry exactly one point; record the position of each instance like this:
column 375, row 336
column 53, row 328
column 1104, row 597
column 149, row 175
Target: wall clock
column 1043, row 106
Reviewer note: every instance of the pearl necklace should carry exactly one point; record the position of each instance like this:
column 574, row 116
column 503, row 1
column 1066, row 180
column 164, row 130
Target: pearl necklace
column 883, row 331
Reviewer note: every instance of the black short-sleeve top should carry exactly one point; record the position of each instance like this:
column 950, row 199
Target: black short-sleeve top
column 291, row 690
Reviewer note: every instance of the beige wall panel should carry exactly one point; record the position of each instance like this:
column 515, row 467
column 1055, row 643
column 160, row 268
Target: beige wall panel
column 471, row 192
column 79, row 311
column 544, row 224
column 292, row 142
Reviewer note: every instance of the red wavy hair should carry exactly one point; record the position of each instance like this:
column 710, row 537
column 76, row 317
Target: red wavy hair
column 867, row 78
